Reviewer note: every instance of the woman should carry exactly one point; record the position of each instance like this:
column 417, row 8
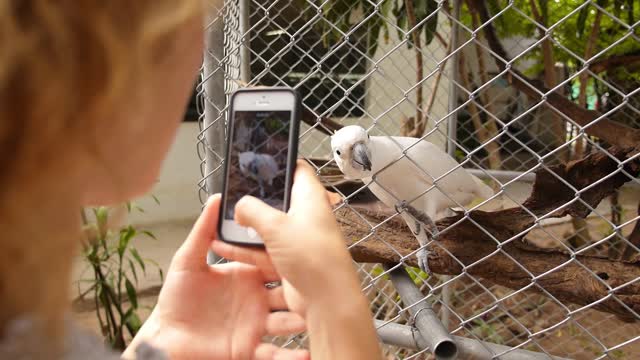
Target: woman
column 92, row 93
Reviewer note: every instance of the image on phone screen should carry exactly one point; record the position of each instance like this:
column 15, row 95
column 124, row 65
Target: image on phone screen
column 258, row 158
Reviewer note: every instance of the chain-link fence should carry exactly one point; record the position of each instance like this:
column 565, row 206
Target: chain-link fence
column 537, row 99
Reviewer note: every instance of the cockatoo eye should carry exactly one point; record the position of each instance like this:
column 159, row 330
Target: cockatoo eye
column 338, row 152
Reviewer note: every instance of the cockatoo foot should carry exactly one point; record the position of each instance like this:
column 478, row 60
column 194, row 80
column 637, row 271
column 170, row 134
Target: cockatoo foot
column 401, row 206
column 416, row 232
column 423, row 260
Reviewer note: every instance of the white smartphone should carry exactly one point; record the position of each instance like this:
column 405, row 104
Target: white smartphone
column 261, row 155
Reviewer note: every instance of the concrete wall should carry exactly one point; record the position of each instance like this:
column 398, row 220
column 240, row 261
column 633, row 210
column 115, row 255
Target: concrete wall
column 177, row 185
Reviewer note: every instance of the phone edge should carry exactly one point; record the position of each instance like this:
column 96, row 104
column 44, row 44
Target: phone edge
column 291, row 161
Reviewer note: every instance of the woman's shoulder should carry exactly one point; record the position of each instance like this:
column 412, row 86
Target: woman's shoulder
column 20, row 342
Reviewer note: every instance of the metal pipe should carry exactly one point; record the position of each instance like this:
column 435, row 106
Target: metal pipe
column 245, row 53
column 451, row 136
column 409, row 337
column 426, row 321
column 214, row 104
column 503, row 175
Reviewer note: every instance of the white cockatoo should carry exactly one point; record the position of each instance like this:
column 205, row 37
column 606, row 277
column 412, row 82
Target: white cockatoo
column 404, row 171
column 263, row 168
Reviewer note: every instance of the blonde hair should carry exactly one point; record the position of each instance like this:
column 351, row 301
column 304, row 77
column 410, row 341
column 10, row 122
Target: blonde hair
column 60, row 62
column 60, row 57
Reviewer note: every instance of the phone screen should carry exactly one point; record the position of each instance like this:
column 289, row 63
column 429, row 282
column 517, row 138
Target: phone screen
column 258, row 158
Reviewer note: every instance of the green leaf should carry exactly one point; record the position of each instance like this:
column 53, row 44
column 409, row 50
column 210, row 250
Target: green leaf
column 544, row 11
column 132, row 320
column 582, row 20
column 126, row 235
column 131, row 293
column 132, row 266
column 155, row 198
column 149, row 234
column 137, row 257
column 432, row 24
column 617, row 7
column 421, row 9
column 128, row 206
column 155, row 263
column 102, row 215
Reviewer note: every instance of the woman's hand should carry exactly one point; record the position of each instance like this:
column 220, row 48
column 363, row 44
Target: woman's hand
column 306, row 249
column 217, row 312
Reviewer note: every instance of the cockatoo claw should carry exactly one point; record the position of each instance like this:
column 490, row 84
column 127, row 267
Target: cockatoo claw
column 401, row 206
column 423, row 260
column 416, row 232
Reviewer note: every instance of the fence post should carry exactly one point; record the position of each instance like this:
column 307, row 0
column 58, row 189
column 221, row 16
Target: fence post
column 452, row 129
column 214, row 104
column 245, row 38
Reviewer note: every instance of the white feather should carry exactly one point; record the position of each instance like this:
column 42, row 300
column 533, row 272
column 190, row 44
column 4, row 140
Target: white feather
column 411, row 170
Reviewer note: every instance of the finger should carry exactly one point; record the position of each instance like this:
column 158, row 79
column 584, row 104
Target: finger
column 275, row 297
column 307, row 191
column 264, row 219
column 272, row 352
column 334, row 198
column 246, row 255
column 285, row 323
column 193, row 252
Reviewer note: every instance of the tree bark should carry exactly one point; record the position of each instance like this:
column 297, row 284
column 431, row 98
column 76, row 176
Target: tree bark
column 634, row 238
column 408, row 128
column 479, row 244
column 557, row 125
column 493, row 149
column 325, row 125
column 422, row 124
column 611, row 132
column 615, row 61
column 580, row 226
column 483, row 133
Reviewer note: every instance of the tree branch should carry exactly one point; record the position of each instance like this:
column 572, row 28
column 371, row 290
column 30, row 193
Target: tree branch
column 476, row 238
column 322, row 124
column 612, row 132
column 614, row 62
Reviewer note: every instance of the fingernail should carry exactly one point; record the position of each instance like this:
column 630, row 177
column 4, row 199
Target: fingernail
column 210, row 199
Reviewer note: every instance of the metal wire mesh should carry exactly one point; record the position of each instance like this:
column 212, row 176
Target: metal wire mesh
column 361, row 62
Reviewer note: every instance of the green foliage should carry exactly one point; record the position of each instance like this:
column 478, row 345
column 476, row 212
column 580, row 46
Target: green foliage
column 343, row 16
column 424, row 9
column 114, row 263
column 487, row 331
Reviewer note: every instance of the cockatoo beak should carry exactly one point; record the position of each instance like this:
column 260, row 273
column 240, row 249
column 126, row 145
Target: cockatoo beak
column 361, row 156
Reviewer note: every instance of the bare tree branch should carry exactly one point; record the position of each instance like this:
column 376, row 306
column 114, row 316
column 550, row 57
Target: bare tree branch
column 615, row 61
column 322, row 124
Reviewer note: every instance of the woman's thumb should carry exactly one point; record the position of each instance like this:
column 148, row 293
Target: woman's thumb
column 264, row 219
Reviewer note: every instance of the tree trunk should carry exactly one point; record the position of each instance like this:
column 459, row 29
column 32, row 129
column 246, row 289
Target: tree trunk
column 422, row 124
column 557, row 123
column 616, row 244
column 580, row 226
column 634, row 238
column 495, row 159
column 410, row 124
column 484, row 135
